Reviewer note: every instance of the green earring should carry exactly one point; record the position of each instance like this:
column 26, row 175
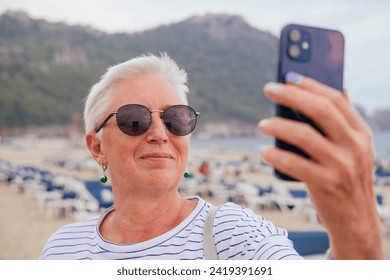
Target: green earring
column 103, row 178
column 187, row 174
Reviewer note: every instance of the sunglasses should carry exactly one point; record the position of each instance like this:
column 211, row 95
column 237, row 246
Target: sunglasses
column 135, row 119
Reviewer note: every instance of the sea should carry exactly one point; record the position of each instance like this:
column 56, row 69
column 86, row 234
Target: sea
column 253, row 144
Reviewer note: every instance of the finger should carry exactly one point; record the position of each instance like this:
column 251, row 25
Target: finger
column 319, row 109
column 294, row 165
column 335, row 96
column 346, row 95
column 300, row 135
column 358, row 116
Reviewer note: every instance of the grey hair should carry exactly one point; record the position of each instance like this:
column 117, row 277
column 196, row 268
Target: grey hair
column 99, row 97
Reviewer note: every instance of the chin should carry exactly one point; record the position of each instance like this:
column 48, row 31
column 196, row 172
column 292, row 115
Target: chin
column 163, row 179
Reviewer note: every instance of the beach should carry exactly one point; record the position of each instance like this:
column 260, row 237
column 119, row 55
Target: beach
column 25, row 226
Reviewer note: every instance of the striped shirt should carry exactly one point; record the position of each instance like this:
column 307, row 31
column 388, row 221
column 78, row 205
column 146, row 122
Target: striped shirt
column 238, row 234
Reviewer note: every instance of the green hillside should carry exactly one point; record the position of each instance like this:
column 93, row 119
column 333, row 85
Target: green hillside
column 46, row 68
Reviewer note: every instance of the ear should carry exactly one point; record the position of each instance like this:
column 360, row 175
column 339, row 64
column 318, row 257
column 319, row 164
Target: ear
column 94, row 146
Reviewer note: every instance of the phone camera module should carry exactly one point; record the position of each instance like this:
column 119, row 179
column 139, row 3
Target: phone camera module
column 299, row 44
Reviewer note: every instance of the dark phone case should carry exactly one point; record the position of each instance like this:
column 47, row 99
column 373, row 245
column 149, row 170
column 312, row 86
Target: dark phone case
column 324, row 63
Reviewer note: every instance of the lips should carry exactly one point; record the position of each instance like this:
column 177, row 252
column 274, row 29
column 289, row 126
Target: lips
column 157, row 156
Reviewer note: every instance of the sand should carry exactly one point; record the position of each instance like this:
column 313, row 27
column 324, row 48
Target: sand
column 25, row 227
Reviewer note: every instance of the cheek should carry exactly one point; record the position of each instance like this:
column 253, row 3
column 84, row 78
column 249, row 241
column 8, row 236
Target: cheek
column 183, row 150
column 119, row 150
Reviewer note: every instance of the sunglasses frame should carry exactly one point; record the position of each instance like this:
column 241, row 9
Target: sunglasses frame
column 103, row 123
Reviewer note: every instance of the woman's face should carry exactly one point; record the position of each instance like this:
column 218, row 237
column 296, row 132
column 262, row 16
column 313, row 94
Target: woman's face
column 155, row 160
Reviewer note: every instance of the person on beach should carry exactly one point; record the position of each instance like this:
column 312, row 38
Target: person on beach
column 204, row 170
column 138, row 126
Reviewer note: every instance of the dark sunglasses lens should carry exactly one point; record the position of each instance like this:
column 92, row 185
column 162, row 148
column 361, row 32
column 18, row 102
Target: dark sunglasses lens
column 133, row 119
column 180, row 120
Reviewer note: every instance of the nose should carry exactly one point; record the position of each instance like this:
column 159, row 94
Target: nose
column 157, row 132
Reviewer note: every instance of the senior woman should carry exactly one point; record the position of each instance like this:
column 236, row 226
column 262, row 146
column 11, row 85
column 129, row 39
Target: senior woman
column 138, row 127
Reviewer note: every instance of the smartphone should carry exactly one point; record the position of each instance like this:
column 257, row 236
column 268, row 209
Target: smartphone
column 314, row 52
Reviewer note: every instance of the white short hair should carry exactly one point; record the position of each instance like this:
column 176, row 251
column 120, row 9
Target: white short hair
column 99, row 97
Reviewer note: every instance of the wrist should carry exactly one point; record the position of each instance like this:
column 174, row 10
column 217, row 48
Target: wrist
column 358, row 243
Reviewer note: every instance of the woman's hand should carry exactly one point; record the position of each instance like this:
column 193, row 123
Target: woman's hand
column 339, row 175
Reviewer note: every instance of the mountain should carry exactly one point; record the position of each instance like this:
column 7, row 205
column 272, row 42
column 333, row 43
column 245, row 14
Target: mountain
column 47, row 68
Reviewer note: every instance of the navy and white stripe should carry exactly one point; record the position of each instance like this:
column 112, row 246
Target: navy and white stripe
column 238, row 232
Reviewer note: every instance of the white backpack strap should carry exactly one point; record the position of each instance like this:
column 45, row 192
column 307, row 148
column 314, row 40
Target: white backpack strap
column 210, row 251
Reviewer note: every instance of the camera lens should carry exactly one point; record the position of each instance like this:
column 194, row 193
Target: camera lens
column 294, row 51
column 294, row 35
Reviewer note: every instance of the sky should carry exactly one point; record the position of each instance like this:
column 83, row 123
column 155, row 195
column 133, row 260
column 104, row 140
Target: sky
column 365, row 24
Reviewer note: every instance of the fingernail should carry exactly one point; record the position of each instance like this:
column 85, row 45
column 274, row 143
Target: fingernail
column 293, row 77
column 263, row 123
column 272, row 87
column 263, row 150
